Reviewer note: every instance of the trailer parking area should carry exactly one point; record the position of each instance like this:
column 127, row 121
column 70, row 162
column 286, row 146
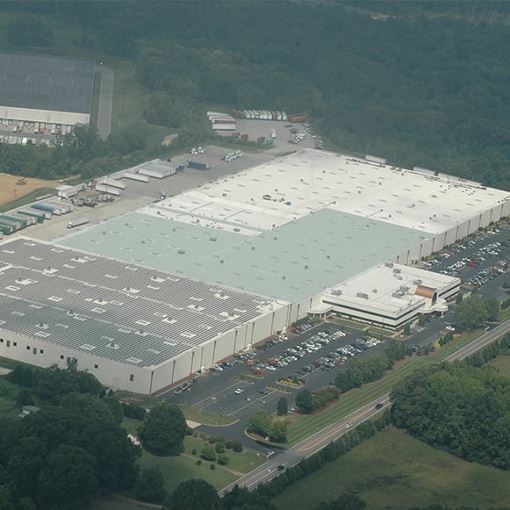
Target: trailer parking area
column 139, row 194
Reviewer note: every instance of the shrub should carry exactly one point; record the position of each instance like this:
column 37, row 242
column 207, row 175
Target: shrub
column 133, row 411
column 208, row 453
column 212, row 467
column 222, row 460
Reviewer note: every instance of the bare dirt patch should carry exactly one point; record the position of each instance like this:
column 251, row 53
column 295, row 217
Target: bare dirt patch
column 11, row 187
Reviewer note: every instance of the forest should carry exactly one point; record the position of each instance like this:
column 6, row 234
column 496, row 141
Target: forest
column 459, row 408
column 420, row 90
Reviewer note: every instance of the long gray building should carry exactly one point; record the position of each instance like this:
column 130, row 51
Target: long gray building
column 47, row 89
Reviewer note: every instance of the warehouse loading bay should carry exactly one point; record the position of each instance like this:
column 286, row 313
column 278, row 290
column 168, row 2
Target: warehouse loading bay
column 138, row 194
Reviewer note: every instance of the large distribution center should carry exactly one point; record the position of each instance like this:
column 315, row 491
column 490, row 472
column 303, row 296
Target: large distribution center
column 46, row 89
column 237, row 260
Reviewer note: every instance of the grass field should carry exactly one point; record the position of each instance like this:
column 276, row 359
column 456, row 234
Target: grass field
column 502, row 363
column 301, row 426
column 393, row 470
column 128, row 104
column 184, row 467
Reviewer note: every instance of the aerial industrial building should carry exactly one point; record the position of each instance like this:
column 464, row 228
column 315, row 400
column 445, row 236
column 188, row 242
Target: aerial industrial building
column 46, row 89
column 239, row 259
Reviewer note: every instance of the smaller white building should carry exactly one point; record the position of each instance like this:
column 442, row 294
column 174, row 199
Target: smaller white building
column 391, row 294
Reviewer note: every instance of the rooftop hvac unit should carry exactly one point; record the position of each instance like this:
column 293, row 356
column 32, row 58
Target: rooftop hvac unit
column 389, row 264
column 374, row 291
column 396, row 271
column 336, row 292
column 417, row 282
column 362, row 295
column 397, row 294
column 403, row 289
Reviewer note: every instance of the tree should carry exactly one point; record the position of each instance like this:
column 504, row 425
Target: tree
column 278, row 431
column 282, row 407
column 459, row 408
column 163, row 430
column 24, row 398
column 150, row 486
column 194, row 495
column 260, row 423
column 474, row 311
column 421, row 320
column 407, row 329
column 67, row 480
column 304, row 401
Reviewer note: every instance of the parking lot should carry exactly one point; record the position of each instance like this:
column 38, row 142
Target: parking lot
column 249, row 382
column 283, row 142
column 480, row 261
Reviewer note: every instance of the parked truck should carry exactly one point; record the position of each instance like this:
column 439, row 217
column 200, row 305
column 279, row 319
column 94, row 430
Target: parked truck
column 78, row 222
column 197, row 165
column 297, row 118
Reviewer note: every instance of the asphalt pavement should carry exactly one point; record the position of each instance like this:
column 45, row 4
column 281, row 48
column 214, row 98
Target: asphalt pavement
column 104, row 114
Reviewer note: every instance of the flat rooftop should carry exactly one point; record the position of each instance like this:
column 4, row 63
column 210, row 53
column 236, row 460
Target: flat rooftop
column 46, row 82
column 292, row 187
column 387, row 288
column 112, row 309
column 291, row 262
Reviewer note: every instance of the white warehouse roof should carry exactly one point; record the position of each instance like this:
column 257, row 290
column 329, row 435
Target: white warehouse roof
column 294, row 186
column 388, row 289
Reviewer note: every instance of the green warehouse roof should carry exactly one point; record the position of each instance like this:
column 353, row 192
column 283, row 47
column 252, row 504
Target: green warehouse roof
column 291, row 262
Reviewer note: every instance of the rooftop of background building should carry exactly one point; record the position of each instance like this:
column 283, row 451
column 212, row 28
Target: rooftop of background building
column 46, row 82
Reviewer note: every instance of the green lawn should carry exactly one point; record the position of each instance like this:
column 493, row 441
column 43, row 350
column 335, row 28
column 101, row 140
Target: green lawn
column 206, row 417
column 128, row 104
column 184, row 467
column 302, row 426
column 27, row 199
column 393, row 470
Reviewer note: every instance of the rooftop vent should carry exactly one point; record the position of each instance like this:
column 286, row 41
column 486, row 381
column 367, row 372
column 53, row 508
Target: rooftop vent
column 362, row 295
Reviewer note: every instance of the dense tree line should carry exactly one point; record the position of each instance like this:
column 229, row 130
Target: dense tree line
column 473, row 312
column 308, row 402
column 490, row 352
column 459, row 408
column 370, row 368
column 59, row 457
column 427, row 91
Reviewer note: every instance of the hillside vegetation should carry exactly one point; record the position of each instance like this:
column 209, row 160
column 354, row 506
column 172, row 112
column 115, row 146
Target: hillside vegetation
column 418, row 90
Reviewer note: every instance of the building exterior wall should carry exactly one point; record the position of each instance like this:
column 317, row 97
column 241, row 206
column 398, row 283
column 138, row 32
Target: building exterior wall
column 45, row 354
column 47, row 116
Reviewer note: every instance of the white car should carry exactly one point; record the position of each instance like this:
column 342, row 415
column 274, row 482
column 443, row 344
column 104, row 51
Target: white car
column 238, row 391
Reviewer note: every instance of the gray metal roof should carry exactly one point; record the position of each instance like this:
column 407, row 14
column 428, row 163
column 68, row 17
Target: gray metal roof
column 46, row 83
column 123, row 312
